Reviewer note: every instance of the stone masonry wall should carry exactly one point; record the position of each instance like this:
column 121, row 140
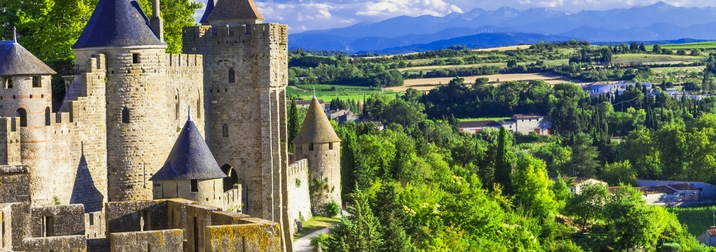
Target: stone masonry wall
column 147, row 241
column 79, row 139
column 299, row 200
column 15, row 179
column 325, row 174
column 246, row 72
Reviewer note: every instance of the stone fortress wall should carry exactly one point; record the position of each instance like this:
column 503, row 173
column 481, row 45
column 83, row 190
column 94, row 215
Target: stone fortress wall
column 299, row 200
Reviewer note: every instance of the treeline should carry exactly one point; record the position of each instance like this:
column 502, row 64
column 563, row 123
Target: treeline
column 308, row 69
column 427, row 187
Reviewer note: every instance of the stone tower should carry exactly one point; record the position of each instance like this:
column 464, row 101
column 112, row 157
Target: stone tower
column 26, row 94
column 318, row 142
column 137, row 135
column 190, row 172
column 246, row 73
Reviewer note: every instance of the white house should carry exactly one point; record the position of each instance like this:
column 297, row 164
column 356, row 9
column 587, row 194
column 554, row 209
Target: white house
column 580, row 182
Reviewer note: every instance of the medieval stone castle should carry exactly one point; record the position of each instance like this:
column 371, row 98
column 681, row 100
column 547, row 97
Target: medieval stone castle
column 160, row 152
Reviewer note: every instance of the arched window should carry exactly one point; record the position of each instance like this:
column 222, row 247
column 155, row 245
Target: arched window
column 232, row 75
column 125, row 115
column 48, row 114
column 22, row 113
column 225, row 130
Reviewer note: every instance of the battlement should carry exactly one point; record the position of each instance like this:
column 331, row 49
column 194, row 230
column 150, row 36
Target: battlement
column 184, row 61
column 297, row 168
column 197, row 37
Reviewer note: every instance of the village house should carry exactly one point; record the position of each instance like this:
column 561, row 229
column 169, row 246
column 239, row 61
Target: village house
column 523, row 123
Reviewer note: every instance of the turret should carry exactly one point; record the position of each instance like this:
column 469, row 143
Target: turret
column 207, row 11
column 26, row 94
column 190, row 171
column 235, row 11
column 136, row 93
column 318, row 142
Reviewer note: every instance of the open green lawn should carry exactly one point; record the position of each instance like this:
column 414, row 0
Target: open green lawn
column 483, row 119
column 325, row 92
column 314, row 224
column 697, row 219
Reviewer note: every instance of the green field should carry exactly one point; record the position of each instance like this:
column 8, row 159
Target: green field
column 314, row 224
column 325, row 92
column 654, row 58
column 700, row 45
column 697, row 219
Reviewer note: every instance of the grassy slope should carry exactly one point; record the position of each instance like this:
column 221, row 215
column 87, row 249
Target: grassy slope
column 697, row 219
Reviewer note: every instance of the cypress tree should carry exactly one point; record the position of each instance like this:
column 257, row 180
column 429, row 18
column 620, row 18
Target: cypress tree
column 503, row 162
column 293, row 126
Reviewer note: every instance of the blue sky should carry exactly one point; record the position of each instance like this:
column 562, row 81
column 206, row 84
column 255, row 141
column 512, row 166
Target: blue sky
column 303, row 15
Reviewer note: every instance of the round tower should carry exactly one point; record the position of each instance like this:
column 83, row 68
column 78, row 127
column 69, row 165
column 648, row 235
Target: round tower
column 318, row 142
column 136, row 94
column 26, row 95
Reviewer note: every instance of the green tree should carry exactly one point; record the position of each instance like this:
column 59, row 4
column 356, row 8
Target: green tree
column 293, row 126
column 504, row 161
column 358, row 232
column 177, row 14
column 583, row 162
column 587, row 205
column 629, row 220
column 532, row 186
column 619, row 173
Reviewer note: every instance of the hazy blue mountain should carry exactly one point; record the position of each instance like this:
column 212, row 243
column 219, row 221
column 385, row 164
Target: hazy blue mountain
column 485, row 40
column 659, row 21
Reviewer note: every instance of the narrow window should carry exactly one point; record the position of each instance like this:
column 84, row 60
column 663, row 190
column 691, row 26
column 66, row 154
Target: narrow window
column 145, row 222
column 47, row 116
column 135, row 58
column 232, row 75
column 125, row 115
column 36, row 81
column 310, row 147
column 330, row 146
column 2, row 232
column 194, row 184
column 196, row 235
column 22, row 114
column 8, row 83
column 225, row 130
column 198, row 108
column 49, row 222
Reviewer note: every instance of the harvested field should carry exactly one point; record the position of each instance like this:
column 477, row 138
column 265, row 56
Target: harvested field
column 430, row 83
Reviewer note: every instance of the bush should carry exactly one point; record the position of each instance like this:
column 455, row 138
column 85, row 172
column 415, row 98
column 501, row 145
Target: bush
column 670, row 247
column 333, row 209
column 320, row 241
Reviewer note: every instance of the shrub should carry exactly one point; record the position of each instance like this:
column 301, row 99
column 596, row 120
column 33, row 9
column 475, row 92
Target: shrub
column 320, row 241
column 333, row 209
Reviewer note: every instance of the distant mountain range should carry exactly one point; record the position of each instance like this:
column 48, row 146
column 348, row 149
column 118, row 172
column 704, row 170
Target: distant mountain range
column 508, row 26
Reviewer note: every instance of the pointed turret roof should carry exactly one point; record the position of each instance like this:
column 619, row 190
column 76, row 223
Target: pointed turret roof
column 207, row 12
column 241, row 11
column 117, row 23
column 16, row 60
column 190, row 158
column 316, row 128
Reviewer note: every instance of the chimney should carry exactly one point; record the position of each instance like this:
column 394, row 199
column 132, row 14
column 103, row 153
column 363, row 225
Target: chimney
column 156, row 21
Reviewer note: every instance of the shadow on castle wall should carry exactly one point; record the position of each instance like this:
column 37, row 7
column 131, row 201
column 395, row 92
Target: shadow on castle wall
column 84, row 192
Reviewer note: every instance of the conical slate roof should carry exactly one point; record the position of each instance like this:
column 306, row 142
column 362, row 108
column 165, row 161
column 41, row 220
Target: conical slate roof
column 190, row 158
column 117, row 23
column 235, row 10
column 316, row 128
column 207, row 12
column 16, row 60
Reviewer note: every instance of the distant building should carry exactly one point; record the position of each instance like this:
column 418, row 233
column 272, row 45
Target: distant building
column 523, row 123
column 708, row 237
column 581, row 182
